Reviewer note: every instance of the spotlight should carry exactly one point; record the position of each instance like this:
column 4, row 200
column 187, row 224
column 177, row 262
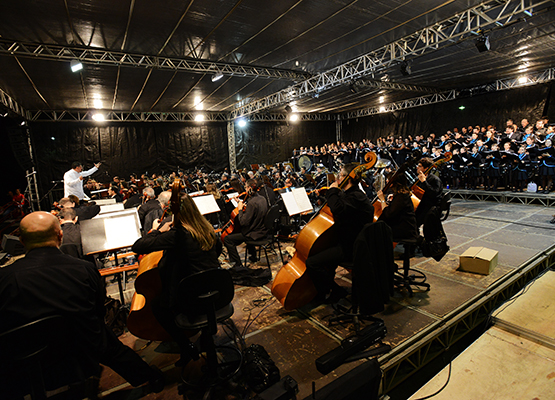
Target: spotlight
column 288, row 108
column 199, row 117
column 406, row 68
column 522, row 80
column 242, row 122
column 482, row 43
column 76, row 65
column 382, row 109
column 23, row 123
column 5, row 115
column 99, row 117
column 217, row 76
column 294, row 117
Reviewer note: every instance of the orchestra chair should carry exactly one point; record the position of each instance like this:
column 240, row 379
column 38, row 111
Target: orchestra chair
column 203, row 300
column 26, row 356
column 409, row 278
column 372, row 271
column 272, row 223
column 445, row 205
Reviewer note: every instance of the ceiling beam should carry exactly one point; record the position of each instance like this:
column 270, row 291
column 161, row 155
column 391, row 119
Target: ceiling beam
column 471, row 22
column 92, row 55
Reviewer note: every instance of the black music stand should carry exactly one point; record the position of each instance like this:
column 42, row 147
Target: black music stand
column 111, row 232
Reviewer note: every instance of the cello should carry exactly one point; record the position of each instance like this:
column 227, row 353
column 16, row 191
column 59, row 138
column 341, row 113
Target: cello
column 292, row 286
column 141, row 322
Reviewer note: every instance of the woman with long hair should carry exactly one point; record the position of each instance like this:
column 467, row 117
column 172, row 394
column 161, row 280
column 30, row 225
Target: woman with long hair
column 189, row 246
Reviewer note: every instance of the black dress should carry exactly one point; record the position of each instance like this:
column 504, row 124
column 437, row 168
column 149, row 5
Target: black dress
column 400, row 217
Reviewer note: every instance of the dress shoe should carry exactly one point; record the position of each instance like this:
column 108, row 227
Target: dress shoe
column 157, row 381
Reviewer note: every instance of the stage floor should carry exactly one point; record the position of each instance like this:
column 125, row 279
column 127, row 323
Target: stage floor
column 296, row 339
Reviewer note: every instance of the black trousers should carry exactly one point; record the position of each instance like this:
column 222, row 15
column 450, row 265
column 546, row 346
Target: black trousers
column 231, row 242
column 123, row 360
column 321, row 268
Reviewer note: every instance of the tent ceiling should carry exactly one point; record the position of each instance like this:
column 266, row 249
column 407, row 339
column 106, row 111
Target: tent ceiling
column 297, row 37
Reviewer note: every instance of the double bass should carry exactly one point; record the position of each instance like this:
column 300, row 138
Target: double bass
column 292, row 286
column 141, row 322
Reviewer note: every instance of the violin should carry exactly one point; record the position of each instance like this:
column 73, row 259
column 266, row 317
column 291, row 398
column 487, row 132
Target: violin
column 292, row 285
column 233, row 226
column 141, row 321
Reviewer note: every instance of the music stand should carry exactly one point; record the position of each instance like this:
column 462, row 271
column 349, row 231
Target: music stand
column 109, row 233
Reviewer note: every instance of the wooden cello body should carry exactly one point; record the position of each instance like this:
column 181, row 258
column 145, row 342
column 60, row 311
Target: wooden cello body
column 141, row 321
column 292, row 286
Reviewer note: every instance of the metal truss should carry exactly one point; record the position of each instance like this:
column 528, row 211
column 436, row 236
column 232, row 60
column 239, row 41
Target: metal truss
column 260, row 117
column 231, row 146
column 402, row 105
column 500, row 84
column 125, row 116
column 116, row 58
column 416, row 352
column 473, row 21
column 13, row 105
column 504, row 197
column 373, row 83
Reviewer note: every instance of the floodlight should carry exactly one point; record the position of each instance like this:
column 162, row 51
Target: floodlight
column 76, row 65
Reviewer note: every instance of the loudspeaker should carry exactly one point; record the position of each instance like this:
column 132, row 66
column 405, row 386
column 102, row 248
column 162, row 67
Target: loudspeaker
column 12, row 245
column 482, row 43
column 362, row 382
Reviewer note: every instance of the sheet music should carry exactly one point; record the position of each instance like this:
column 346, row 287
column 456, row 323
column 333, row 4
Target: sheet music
column 233, row 198
column 206, row 204
column 296, row 201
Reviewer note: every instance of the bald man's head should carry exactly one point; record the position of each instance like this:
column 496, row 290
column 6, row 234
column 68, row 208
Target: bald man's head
column 40, row 229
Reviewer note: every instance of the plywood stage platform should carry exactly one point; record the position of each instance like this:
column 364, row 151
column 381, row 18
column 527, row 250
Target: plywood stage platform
column 514, row 359
column 418, row 328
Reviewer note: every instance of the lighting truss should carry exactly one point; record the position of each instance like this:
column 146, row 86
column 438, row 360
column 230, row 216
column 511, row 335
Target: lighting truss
column 116, row 58
column 124, row 116
column 488, row 14
column 500, row 84
column 13, row 105
column 394, row 85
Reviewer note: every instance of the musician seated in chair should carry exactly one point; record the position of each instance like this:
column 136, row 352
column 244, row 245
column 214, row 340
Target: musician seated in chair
column 251, row 221
column 351, row 210
column 189, row 246
column 46, row 282
column 433, row 190
column 398, row 212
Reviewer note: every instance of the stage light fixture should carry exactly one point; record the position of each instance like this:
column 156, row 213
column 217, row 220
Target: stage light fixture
column 199, row 117
column 406, row 68
column 462, row 108
column 482, row 43
column 242, row 122
column 98, row 117
column 76, row 65
column 522, row 80
column 23, row 123
column 382, row 109
column 217, row 76
column 5, row 115
column 294, row 117
column 288, row 109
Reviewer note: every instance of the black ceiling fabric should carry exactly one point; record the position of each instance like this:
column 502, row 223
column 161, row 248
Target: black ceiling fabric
column 303, row 36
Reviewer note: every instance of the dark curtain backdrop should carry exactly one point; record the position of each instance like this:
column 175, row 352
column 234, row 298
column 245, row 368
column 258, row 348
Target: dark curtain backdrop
column 125, row 148
column 486, row 109
column 271, row 142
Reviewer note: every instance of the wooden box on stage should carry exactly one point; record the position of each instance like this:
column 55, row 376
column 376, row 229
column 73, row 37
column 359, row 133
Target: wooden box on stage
column 479, row 260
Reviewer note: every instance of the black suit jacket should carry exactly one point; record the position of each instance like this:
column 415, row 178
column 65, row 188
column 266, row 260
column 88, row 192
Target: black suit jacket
column 46, row 282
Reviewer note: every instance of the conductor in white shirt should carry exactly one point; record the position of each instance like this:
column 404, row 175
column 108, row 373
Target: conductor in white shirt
column 73, row 179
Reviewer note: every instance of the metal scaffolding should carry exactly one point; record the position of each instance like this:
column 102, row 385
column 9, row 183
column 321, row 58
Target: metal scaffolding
column 12, row 105
column 43, row 51
column 469, row 23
